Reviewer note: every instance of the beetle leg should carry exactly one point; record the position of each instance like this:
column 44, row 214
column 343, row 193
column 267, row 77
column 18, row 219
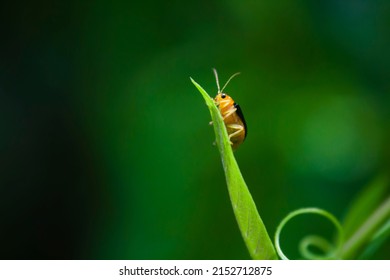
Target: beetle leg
column 230, row 112
column 239, row 128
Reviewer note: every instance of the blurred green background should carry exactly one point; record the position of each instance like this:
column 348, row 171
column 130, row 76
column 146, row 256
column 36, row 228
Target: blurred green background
column 106, row 151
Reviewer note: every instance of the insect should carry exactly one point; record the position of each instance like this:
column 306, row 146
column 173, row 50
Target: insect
column 231, row 113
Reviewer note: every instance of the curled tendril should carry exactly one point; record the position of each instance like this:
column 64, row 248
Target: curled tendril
column 330, row 251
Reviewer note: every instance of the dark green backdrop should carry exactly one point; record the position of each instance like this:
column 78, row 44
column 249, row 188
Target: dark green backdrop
column 106, row 151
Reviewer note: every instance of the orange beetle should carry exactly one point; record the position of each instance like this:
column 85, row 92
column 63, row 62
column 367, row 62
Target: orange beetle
column 232, row 115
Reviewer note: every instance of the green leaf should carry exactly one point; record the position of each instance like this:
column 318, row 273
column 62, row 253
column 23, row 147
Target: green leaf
column 364, row 204
column 366, row 223
column 377, row 241
column 367, row 231
column 251, row 226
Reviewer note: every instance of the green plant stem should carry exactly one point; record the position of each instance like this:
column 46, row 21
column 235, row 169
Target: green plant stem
column 363, row 235
column 331, row 251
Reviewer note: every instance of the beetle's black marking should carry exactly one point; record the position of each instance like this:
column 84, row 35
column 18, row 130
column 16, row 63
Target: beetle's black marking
column 241, row 115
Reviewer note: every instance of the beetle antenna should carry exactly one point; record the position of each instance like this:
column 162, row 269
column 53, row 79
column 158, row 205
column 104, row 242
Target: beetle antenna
column 216, row 79
column 231, row 77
